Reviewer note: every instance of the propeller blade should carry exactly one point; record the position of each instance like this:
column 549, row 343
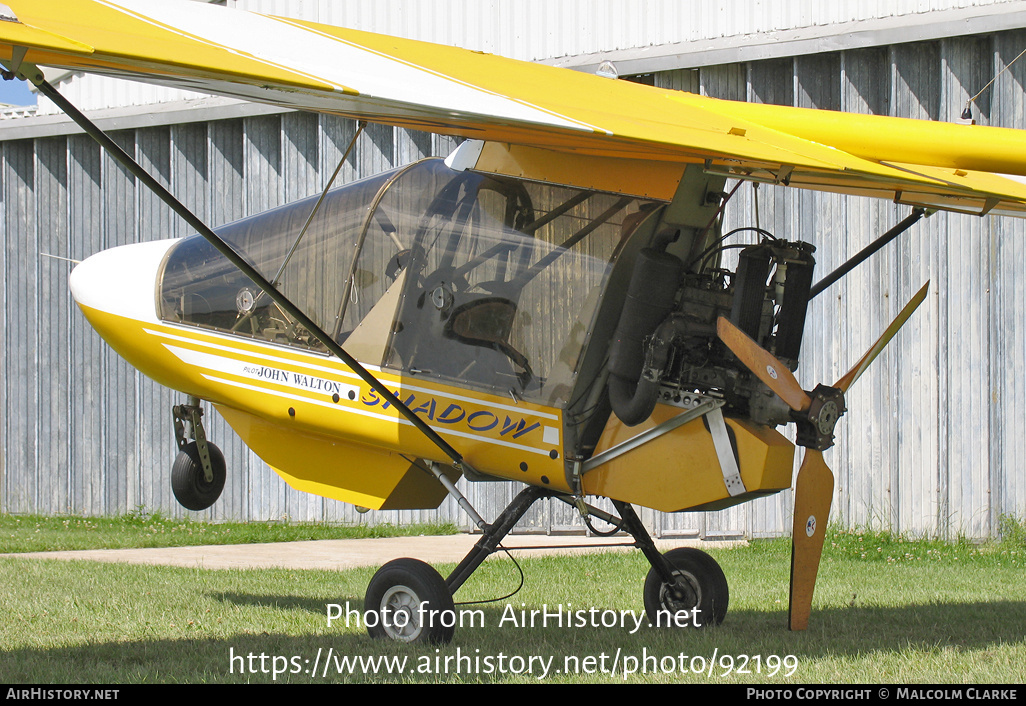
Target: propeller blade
column 764, row 365
column 813, row 493
column 860, row 367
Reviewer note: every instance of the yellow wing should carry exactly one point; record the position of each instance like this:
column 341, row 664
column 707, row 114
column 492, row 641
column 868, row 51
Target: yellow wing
column 532, row 107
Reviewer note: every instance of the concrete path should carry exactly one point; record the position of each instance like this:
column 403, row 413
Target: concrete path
column 343, row 553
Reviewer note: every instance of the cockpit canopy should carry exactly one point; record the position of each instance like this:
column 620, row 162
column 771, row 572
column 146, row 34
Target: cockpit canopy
column 459, row 276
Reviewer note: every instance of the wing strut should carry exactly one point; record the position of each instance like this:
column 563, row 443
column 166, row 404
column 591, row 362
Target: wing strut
column 863, row 254
column 225, row 249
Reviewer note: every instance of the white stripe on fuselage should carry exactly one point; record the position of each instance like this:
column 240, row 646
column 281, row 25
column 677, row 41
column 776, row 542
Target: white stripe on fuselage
column 309, row 365
column 263, row 384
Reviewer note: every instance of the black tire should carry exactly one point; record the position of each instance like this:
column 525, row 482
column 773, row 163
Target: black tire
column 702, row 584
column 396, row 594
column 187, row 482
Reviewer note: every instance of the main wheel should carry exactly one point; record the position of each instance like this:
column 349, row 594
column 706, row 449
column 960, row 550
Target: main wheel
column 190, row 487
column 699, row 598
column 412, row 603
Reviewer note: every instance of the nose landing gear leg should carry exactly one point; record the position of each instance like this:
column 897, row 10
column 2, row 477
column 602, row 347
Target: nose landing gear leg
column 198, row 474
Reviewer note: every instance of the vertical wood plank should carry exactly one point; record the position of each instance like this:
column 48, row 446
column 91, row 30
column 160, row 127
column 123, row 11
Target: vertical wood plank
column 21, row 315
column 52, row 438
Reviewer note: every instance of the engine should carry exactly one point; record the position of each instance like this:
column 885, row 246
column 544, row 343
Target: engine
column 666, row 347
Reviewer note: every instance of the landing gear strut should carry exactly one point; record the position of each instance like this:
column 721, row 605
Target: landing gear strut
column 684, row 588
column 198, row 474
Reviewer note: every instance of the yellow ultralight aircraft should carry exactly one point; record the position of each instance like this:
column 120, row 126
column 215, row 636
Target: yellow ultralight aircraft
column 548, row 305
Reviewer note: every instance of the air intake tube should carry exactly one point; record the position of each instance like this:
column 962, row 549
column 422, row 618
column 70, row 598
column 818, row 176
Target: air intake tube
column 650, row 298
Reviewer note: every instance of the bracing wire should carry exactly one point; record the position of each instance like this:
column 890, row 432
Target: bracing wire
column 967, row 113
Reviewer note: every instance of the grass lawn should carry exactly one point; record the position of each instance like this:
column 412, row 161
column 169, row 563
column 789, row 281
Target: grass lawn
column 886, row 610
column 39, row 533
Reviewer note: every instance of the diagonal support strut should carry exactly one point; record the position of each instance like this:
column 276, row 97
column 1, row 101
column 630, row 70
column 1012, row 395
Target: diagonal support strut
column 864, row 254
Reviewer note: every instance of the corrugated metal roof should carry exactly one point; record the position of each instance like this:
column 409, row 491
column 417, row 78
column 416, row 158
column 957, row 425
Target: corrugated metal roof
column 536, row 30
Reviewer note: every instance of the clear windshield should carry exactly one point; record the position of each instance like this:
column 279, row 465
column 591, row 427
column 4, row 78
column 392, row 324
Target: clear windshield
column 455, row 276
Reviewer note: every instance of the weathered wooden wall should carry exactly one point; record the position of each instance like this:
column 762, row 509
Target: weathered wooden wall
column 932, row 443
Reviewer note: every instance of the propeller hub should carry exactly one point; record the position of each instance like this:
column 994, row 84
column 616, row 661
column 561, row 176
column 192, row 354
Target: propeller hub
column 827, row 418
column 816, row 424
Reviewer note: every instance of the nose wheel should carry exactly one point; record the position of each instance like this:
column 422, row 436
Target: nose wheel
column 198, row 474
column 192, row 489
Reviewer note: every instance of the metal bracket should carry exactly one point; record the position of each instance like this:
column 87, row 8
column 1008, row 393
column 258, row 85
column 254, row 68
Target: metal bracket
column 18, row 68
column 725, row 453
column 188, row 420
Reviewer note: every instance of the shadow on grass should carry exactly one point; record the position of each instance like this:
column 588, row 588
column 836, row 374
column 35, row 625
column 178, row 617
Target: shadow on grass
column 310, row 605
column 496, row 649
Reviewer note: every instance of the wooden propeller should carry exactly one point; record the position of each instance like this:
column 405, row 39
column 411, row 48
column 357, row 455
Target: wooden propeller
column 816, row 414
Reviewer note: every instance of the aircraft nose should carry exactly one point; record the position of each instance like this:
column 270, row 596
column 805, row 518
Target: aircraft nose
column 121, row 281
